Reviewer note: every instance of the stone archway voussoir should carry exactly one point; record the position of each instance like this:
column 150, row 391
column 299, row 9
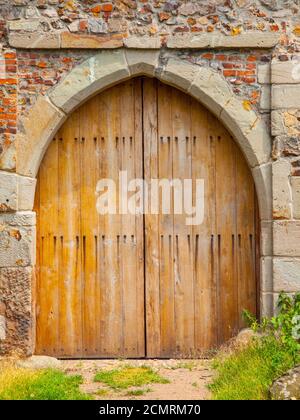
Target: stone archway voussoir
column 179, row 74
column 38, row 127
column 250, row 132
column 211, row 90
column 145, row 64
column 96, row 73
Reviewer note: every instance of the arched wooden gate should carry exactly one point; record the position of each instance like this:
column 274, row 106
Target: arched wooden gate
column 148, row 285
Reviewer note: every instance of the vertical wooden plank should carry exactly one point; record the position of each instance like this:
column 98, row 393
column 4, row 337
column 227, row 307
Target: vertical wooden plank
column 89, row 223
column 183, row 250
column 47, row 311
column 128, row 234
column 111, row 288
column 203, row 164
column 166, row 224
column 151, row 221
column 130, row 145
column 245, row 199
column 139, row 222
column 36, row 208
column 70, row 287
column 226, row 229
column 101, row 272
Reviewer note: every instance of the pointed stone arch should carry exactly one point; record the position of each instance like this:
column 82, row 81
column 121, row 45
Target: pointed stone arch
column 106, row 68
column 99, row 72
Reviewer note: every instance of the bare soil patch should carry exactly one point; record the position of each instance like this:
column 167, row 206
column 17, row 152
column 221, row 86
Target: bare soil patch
column 187, row 379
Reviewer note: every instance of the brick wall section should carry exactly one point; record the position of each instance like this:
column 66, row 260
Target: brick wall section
column 240, row 69
column 38, row 71
column 8, row 98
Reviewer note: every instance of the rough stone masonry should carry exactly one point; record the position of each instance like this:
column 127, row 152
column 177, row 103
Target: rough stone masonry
column 253, row 45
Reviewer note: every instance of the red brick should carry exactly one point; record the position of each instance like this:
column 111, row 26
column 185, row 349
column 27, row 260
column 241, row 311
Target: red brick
column 249, row 80
column 83, row 25
column 221, row 57
column 11, row 69
column 245, row 73
column 107, row 7
column 235, row 58
column 208, row 56
column 8, row 81
column 96, row 9
column 229, row 73
column 12, row 117
column 10, row 55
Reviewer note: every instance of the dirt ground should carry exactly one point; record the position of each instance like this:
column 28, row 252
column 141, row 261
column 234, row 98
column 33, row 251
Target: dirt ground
column 188, row 379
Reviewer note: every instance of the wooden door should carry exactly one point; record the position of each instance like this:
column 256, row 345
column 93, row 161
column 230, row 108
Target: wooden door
column 198, row 278
column 90, row 292
column 124, row 285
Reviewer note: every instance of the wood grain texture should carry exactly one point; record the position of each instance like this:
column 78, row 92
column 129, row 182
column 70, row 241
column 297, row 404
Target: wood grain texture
column 150, row 285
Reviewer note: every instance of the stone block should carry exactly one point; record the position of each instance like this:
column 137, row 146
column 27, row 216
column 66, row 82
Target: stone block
column 98, row 72
column 143, row 42
column 286, row 238
column 286, row 122
column 2, row 327
column 213, row 40
column 179, row 73
column 26, row 25
column 211, row 90
column 8, row 191
column 295, row 183
column 17, row 245
column 285, row 96
column 16, row 192
column 70, row 40
column 34, row 40
column 264, row 73
column 267, row 304
column 40, row 362
column 287, row 72
column 8, row 156
column 277, row 123
column 26, row 193
column 266, row 242
column 286, row 275
column 265, row 98
column 249, row 130
column 16, row 299
column 266, row 265
column 20, row 218
column 38, row 128
column 282, row 197
column 142, row 64
column 263, row 182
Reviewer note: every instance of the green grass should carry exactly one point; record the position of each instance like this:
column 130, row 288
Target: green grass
column 138, row 392
column 129, row 376
column 186, row 365
column 102, row 392
column 22, row 384
column 249, row 373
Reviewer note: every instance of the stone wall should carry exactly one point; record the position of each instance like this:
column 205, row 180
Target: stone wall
column 253, row 45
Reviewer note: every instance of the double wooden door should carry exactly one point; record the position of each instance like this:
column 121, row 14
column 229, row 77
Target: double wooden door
column 142, row 285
